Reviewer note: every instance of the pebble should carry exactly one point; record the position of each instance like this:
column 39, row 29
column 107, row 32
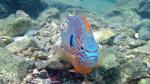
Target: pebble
column 37, row 81
column 43, row 74
column 31, row 65
column 136, row 35
column 28, row 78
column 47, row 81
column 35, row 71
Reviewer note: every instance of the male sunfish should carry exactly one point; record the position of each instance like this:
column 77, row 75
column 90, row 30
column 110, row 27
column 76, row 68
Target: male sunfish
column 78, row 42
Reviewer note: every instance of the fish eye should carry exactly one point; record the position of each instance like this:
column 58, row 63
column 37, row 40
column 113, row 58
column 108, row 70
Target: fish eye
column 82, row 48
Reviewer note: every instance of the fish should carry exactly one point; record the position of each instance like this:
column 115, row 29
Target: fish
column 78, row 42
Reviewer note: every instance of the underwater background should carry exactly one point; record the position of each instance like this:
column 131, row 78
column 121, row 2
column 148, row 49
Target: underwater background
column 29, row 34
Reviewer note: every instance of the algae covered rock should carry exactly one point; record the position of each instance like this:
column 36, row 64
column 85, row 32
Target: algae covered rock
column 32, row 7
column 107, row 70
column 118, row 67
column 5, row 41
column 143, row 9
column 49, row 14
column 122, row 40
column 143, row 29
column 132, row 69
column 16, row 25
column 124, row 37
column 125, row 4
column 144, row 81
column 103, row 36
column 11, row 68
column 20, row 45
column 141, row 50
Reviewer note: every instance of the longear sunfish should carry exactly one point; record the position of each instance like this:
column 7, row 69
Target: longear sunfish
column 78, row 42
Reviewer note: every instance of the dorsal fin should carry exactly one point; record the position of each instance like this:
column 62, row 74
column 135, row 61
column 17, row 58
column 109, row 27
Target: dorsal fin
column 86, row 24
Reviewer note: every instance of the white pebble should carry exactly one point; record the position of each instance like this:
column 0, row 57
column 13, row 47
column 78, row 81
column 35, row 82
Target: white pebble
column 136, row 35
column 35, row 71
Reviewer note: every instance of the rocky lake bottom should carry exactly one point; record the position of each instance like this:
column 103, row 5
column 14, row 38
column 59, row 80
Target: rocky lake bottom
column 29, row 32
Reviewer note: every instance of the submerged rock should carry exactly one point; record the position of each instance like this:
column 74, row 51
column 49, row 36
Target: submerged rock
column 143, row 29
column 33, row 8
column 142, row 50
column 103, row 36
column 47, row 36
column 49, row 14
column 117, row 67
column 12, row 69
column 144, row 81
column 132, row 4
column 5, row 41
column 136, row 43
column 20, row 45
column 15, row 26
column 144, row 9
column 132, row 69
column 141, row 7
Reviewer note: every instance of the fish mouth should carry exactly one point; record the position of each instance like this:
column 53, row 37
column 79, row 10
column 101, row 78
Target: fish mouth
column 88, row 60
column 93, row 51
column 87, row 53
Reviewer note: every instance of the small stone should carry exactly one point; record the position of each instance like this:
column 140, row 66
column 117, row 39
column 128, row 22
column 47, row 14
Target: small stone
column 27, row 53
column 20, row 45
column 31, row 65
column 43, row 74
column 21, row 13
column 35, row 71
column 44, row 33
column 104, row 35
column 31, row 32
column 40, row 53
column 136, row 35
column 16, row 26
column 5, row 41
column 136, row 43
column 28, row 78
column 41, row 64
column 47, row 81
column 37, row 81
column 34, row 54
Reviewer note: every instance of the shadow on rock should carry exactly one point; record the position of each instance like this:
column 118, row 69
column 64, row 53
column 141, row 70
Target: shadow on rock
column 31, row 7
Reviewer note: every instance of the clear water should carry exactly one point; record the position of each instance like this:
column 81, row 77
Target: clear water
column 96, row 6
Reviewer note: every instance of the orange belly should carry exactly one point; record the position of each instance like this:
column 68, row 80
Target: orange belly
column 82, row 69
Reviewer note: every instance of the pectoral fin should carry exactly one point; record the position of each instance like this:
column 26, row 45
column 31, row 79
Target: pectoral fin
column 104, row 53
